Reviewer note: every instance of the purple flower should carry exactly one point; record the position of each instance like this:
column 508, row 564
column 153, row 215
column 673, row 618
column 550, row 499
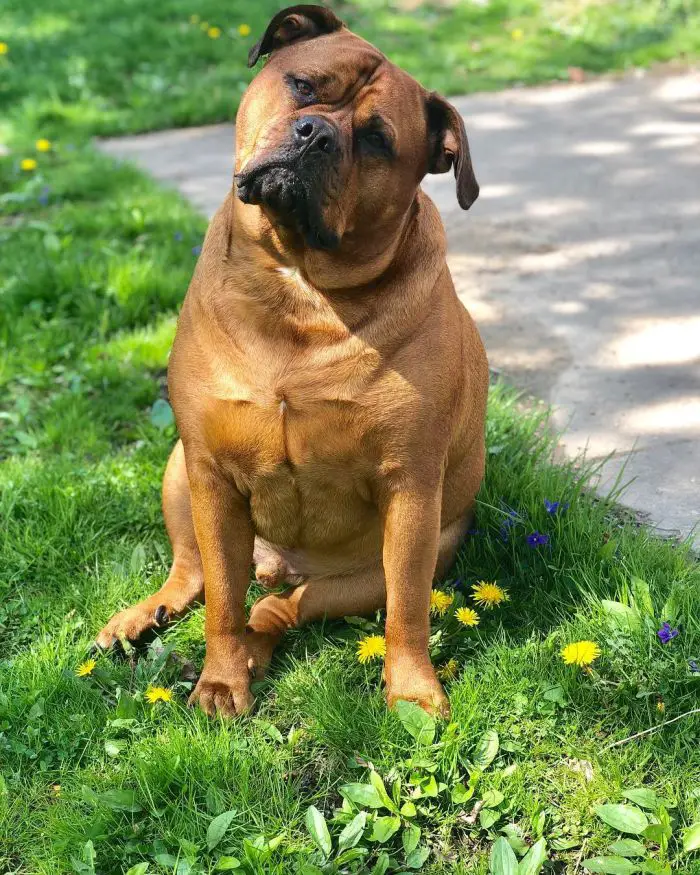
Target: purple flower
column 458, row 583
column 196, row 250
column 666, row 633
column 555, row 506
column 693, row 666
column 537, row 539
column 474, row 532
column 43, row 197
column 177, row 236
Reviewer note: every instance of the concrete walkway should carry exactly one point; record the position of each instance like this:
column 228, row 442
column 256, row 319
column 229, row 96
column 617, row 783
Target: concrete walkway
column 580, row 262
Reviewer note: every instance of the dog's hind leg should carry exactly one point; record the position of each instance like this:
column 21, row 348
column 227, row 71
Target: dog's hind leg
column 185, row 583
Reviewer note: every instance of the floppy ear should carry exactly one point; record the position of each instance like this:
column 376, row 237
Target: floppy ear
column 448, row 147
column 292, row 24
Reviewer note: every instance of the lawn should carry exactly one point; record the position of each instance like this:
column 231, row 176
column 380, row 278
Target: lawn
column 94, row 261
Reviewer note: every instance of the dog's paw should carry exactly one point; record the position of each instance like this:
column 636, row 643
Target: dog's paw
column 133, row 624
column 421, row 687
column 214, row 695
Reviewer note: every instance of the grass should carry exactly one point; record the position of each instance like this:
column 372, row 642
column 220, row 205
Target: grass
column 94, row 260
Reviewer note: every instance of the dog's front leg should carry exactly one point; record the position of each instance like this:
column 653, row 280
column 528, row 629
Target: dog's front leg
column 225, row 537
column 411, row 538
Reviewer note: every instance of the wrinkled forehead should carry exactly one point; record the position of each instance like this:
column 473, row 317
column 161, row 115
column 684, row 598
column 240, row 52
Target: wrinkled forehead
column 346, row 70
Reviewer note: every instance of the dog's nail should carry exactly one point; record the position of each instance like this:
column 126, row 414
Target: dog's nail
column 252, row 671
column 95, row 649
column 162, row 617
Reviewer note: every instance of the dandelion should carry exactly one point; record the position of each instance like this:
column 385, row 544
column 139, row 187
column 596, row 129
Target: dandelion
column 214, row 32
column 28, row 164
column 440, row 602
column 194, row 19
column 56, row 790
column 489, row 595
column 467, row 617
column 85, row 668
column 449, row 670
column 537, row 539
column 666, row 633
column 244, row 29
column 580, row 653
column 660, row 706
column 517, row 34
column 4, row 48
column 43, row 145
column 371, row 647
column 158, row 694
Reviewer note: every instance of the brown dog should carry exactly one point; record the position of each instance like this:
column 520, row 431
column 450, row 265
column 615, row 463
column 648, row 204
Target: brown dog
column 328, row 385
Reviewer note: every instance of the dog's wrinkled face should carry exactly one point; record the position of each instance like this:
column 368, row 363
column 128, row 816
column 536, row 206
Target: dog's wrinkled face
column 333, row 140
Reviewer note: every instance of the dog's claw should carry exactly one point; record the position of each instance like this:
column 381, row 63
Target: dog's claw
column 161, row 616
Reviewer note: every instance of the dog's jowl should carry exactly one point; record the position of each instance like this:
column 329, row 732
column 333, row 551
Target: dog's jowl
column 328, row 385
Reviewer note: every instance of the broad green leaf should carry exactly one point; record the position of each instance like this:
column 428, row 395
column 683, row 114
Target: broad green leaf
column 416, row 858
column 120, row 800
column 657, row 832
column 429, row 787
column 502, row 860
column 226, row 864
column 408, row 809
column 410, row 837
column 113, row 747
column 318, row 830
column 166, row 860
column 217, row 828
column 138, row 559
column 514, row 834
column 691, row 838
column 162, row 414
column 417, row 722
column 461, row 794
column 621, row 615
column 352, row 833
column 643, row 796
column 378, row 784
column 486, row 749
column 642, row 596
column 382, row 864
column 624, row 818
column 350, row 855
column 384, row 828
column 534, row 860
column 362, row 795
column 628, row 848
column 487, row 817
column 273, row 732
column 492, row 798
column 138, row 869
column 654, row 867
column 610, row 866
column 310, row 869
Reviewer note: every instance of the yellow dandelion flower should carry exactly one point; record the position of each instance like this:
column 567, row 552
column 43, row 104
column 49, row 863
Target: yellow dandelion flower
column 467, row 616
column 158, row 694
column 85, row 668
column 371, row 647
column 440, row 601
column 43, row 145
column 489, row 595
column 28, row 164
column 214, row 32
column 4, row 48
column 661, row 706
column 244, row 29
column 580, row 653
column 56, row 790
column 517, row 34
column 194, row 19
column 449, row 670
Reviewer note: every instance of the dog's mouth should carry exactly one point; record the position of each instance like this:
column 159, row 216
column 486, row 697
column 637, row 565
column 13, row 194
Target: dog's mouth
column 294, row 197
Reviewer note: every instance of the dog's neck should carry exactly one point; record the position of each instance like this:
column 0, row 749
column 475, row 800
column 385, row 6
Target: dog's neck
column 319, row 296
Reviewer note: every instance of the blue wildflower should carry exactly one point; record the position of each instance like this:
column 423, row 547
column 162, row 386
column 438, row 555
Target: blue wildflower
column 693, row 666
column 177, row 236
column 196, row 250
column 43, row 196
column 553, row 507
column 666, row 633
column 537, row 539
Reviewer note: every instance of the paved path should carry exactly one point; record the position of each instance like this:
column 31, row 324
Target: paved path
column 580, row 262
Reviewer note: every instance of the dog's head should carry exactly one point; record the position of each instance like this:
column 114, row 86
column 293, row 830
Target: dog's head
column 333, row 139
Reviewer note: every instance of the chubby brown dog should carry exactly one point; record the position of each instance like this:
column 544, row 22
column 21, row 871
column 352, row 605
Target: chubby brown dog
column 328, row 385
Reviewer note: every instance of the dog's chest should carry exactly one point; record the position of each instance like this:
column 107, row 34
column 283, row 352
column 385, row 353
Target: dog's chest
column 295, row 435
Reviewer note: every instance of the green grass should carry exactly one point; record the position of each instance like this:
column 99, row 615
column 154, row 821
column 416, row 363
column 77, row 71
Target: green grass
column 94, row 260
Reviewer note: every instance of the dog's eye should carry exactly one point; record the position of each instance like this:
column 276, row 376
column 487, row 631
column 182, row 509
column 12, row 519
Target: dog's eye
column 375, row 139
column 303, row 88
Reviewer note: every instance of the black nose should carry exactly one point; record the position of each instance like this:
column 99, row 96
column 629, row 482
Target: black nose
column 314, row 133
